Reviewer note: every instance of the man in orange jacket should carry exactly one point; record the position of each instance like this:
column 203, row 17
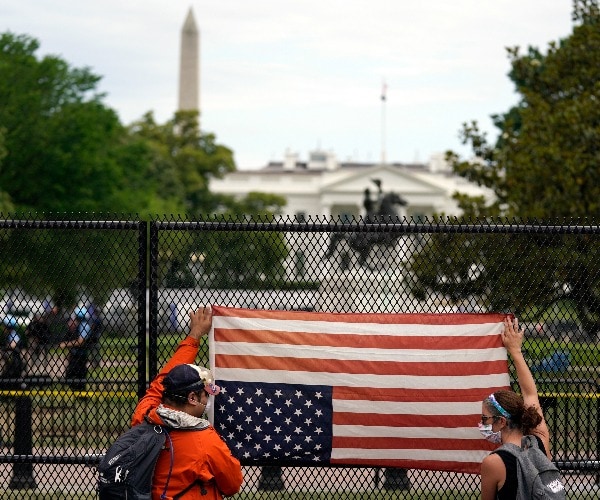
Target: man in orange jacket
column 203, row 466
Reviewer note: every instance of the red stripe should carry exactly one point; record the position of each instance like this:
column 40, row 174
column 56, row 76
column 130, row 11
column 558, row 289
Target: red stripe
column 421, row 368
column 384, row 319
column 403, row 420
column 326, row 339
column 400, row 394
column 393, row 443
column 463, row 467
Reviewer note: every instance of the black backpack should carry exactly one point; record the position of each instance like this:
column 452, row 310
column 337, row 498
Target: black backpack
column 127, row 468
column 538, row 478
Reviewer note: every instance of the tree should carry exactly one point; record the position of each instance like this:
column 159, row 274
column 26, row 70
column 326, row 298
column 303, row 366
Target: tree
column 181, row 160
column 60, row 140
column 61, row 150
column 543, row 166
column 6, row 205
column 254, row 258
column 239, row 259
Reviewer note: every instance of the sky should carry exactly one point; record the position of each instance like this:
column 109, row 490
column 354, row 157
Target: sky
column 300, row 76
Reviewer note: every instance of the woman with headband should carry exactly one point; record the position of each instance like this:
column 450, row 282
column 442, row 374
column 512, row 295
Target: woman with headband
column 506, row 417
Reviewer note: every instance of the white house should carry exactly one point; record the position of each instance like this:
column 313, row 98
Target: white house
column 325, row 187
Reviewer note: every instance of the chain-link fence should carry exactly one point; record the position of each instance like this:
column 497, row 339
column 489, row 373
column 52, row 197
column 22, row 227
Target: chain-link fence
column 125, row 287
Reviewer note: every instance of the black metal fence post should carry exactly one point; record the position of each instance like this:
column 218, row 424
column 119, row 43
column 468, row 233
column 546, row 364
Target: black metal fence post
column 22, row 477
column 396, row 479
column 270, row 478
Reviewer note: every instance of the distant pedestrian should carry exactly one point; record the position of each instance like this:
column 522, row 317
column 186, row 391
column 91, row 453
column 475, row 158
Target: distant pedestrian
column 38, row 337
column 77, row 341
column 96, row 330
column 11, row 363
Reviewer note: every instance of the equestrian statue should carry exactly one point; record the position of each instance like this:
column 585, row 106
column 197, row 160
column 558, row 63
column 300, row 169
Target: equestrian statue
column 379, row 210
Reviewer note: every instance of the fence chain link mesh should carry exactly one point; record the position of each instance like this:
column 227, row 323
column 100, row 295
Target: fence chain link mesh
column 129, row 285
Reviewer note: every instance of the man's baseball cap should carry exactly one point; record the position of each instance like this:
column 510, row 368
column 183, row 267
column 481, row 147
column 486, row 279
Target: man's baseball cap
column 183, row 379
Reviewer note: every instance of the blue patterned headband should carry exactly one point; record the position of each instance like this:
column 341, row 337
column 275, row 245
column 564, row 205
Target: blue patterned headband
column 502, row 411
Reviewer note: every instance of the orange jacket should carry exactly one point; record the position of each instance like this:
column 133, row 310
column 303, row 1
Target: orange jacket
column 200, row 456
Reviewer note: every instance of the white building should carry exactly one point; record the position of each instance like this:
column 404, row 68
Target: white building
column 324, row 187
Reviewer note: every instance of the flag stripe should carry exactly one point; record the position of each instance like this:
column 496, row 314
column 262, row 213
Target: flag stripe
column 408, row 453
column 407, row 419
column 471, row 466
column 405, row 394
column 360, row 339
column 350, row 353
column 398, row 368
column 441, row 319
column 391, row 443
column 369, row 380
column 387, row 390
column 390, row 407
column 460, row 433
column 358, row 326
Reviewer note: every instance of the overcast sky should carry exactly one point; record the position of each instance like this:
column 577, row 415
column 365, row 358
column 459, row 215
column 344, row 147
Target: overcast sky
column 297, row 76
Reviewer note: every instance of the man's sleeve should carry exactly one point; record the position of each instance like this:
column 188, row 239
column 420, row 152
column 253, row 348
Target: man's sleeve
column 225, row 467
column 186, row 352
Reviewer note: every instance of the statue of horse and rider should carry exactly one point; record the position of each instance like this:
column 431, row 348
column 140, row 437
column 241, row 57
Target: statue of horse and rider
column 380, row 210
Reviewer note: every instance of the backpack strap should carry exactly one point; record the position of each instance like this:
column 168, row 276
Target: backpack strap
column 529, row 441
column 164, row 429
column 172, row 456
column 184, row 491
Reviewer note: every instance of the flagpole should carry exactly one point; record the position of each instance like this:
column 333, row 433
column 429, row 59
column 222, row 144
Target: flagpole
column 383, row 101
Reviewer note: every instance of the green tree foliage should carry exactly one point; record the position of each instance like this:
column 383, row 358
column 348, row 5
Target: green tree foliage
column 180, row 161
column 253, row 259
column 62, row 151
column 58, row 136
column 545, row 161
column 6, row 205
column 230, row 259
column 544, row 165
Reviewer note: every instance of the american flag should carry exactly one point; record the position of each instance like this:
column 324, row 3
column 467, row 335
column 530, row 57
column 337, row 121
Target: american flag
column 380, row 390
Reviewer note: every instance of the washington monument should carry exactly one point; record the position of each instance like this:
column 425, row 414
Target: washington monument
column 189, row 66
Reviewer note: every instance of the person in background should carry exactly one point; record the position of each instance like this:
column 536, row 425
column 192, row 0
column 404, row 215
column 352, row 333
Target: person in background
column 57, row 318
column 38, row 335
column 10, row 345
column 506, row 417
column 77, row 341
column 96, row 327
column 203, row 467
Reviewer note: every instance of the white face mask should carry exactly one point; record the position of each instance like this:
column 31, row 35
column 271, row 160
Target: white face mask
column 489, row 435
column 208, row 405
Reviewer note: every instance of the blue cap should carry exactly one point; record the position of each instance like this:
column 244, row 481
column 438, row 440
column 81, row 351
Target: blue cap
column 10, row 321
column 81, row 312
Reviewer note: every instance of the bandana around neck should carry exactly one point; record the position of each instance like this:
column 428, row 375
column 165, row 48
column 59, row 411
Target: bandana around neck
column 180, row 419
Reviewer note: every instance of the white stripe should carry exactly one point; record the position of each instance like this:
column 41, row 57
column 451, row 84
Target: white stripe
column 378, row 431
column 361, row 380
column 407, row 407
column 406, row 454
column 337, row 327
column 362, row 354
